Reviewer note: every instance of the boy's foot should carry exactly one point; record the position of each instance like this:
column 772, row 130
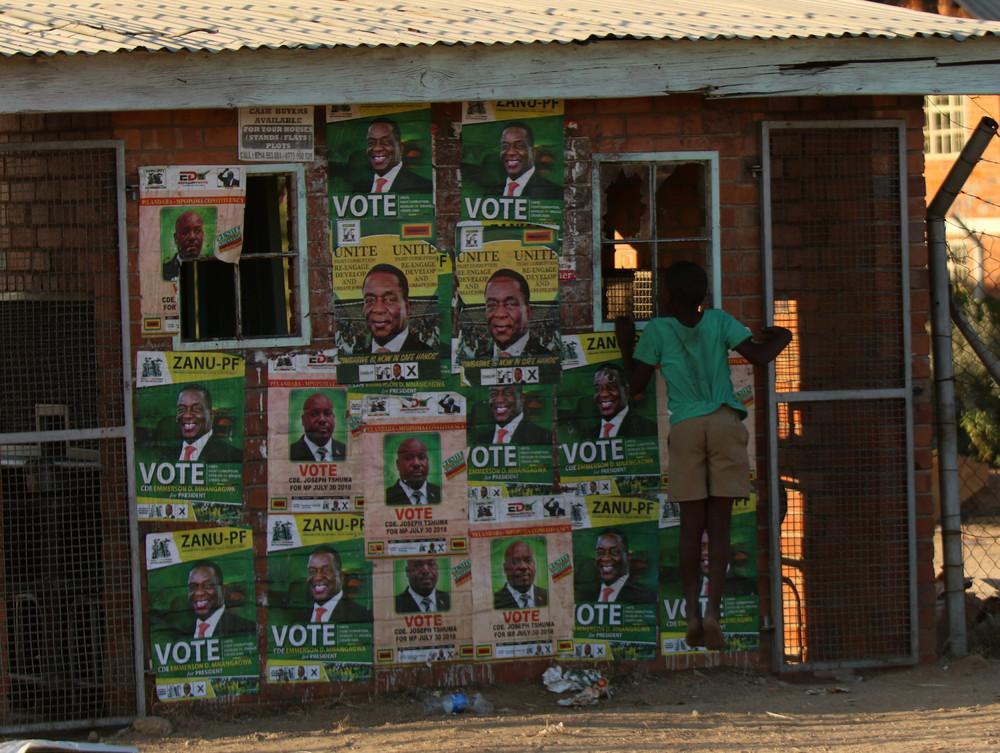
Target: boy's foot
column 714, row 639
column 695, row 634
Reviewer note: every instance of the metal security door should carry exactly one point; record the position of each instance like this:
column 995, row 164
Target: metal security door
column 67, row 540
column 841, row 455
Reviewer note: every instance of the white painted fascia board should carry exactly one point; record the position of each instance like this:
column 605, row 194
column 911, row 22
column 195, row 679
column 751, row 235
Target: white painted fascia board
column 619, row 68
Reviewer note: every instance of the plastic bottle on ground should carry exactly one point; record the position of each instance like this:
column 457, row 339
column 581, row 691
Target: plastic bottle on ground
column 457, row 703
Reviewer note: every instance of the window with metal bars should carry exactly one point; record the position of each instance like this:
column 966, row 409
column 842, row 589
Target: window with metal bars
column 262, row 298
column 650, row 211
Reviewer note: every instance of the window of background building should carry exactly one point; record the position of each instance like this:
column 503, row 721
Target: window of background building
column 944, row 130
column 651, row 210
column 263, row 299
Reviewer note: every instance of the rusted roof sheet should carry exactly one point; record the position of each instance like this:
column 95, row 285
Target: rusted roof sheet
column 94, row 26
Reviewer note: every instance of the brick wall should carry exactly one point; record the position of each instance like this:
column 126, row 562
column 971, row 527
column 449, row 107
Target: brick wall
column 675, row 123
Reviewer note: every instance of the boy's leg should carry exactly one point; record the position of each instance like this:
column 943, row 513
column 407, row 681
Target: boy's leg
column 718, row 518
column 693, row 514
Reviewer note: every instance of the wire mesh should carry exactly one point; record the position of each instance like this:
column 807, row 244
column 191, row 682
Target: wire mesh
column 837, row 271
column 66, row 647
column 973, row 231
column 844, row 532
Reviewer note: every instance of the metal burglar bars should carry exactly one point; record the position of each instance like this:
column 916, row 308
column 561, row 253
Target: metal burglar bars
column 67, row 545
column 840, row 408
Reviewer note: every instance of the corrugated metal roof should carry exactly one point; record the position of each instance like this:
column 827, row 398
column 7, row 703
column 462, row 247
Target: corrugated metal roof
column 78, row 26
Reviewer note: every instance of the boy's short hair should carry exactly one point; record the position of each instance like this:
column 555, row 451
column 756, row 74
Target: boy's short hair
column 687, row 283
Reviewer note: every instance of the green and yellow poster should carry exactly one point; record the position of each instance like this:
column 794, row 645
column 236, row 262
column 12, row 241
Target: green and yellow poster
column 379, row 162
column 512, row 161
column 202, row 613
column 507, row 276
column 740, row 604
column 608, row 438
column 510, row 437
column 319, row 624
column 616, row 556
column 189, row 436
column 387, row 307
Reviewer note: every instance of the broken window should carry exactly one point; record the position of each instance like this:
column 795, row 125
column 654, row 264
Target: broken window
column 652, row 213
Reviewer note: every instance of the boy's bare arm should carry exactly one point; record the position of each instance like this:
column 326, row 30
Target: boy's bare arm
column 761, row 352
column 638, row 372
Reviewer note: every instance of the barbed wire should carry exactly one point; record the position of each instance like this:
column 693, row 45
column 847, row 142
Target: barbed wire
column 980, row 198
column 971, row 232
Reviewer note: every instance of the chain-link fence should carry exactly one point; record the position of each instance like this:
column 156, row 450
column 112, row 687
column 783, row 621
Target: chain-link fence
column 973, row 232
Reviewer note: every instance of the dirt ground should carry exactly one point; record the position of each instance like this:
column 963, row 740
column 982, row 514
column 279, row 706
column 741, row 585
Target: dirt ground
column 948, row 706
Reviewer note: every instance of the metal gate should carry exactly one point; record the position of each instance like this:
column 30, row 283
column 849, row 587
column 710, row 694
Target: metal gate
column 840, row 416
column 67, row 543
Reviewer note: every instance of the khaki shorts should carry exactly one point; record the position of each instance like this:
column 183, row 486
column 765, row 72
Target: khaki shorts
column 708, row 457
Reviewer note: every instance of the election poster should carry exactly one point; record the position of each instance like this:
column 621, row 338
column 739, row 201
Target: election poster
column 616, row 556
column 380, row 164
column 510, row 438
column 423, row 610
column 608, row 439
column 507, row 276
column 512, row 161
column 187, row 213
column 189, row 436
column 202, row 613
column 413, row 477
column 309, row 465
column 387, row 307
column 523, row 571
column 740, row 604
column 319, row 617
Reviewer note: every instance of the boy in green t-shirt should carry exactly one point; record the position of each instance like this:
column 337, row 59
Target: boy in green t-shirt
column 709, row 467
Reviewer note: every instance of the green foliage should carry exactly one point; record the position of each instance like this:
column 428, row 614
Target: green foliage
column 977, row 395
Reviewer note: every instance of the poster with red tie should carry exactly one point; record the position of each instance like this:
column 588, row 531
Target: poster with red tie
column 512, row 161
column 616, row 577
column 507, row 278
column 386, row 278
column 379, row 161
column 608, row 439
column 423, row 610
column 308, row 442
column 413, row 476
column 522, row 565
column 510, row 439
column 189, row 436
column 319, row 616
column 202, row 613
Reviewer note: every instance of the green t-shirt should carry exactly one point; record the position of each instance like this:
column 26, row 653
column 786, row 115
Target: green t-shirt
column 694, row 361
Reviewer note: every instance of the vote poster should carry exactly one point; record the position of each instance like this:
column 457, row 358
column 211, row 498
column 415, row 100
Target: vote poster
column 309, row 467
column 423, row 610
column 608, row 440
column 523, row 570
column 740, row 604
column 508, row 314
column 202, row 613
column 616, row 555
column 510, row 437
column 513, row 161
column 319, row 617
column 189, row 436
column 413, row 477
column 186, row 213
column 380, row 162
column 388, row 321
